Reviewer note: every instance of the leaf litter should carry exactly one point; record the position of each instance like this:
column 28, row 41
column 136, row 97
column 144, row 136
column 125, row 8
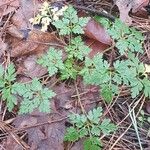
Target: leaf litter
column 24, row 44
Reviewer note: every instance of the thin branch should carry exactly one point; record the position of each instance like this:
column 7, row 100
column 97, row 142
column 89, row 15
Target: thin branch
column 100, row 12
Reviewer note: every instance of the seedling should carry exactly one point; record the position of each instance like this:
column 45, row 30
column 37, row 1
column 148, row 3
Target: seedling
column 70, row 22
column 52, row 60
column 7, row 79
column 90, row 128
column 34, row 96
column 125, row 38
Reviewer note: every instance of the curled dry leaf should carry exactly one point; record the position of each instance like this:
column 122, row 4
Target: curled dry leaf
column 11, row 144
column 62, row 100
column 97, row 32
column 35, row 137
column 148, row 107
column 55, row 133
column 22, row 121
column 78, row 145
column 48, row 136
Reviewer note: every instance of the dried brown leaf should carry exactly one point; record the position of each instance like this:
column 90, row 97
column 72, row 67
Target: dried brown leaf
column 138, row 5
column 31, row 69
column 13, row 31
column 26, row 11
column 97, row 32
column 8, row 6
column 22, row 121
column 96, row 46
column 11, row 144
column 125, row 6
column 3, row 47
column 36, row 43
column 63, row 96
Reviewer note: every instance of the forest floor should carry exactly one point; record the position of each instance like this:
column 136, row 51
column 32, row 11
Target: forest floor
column 22, row 44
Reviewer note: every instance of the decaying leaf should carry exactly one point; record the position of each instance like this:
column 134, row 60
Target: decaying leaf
column 26, row 11
column 13, row 31
column 36, row 43
column 125, row 6
column 48, row 136
column 31, row 68
column 96, row 46
column 3, row 47
column 55, row 133
column 63, row 98
column 11, row 144
column 138, row 5
column 97, row 32
column 8, row 6
column 78, row 145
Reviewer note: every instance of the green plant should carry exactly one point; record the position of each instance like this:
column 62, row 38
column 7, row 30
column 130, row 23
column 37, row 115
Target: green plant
column 90, row 128
column 77, row 49
column 140, row 80
column 70, row 22
column 52, row 60
column 7, row 79
column 110, row 76
column 47, row 14
column 70, row 70
column 125, row 38
column 130, row 72
column 97, row 71
column 143, row 118
column 34, row 96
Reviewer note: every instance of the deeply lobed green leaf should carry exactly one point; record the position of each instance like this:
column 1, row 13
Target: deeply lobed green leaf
column 52, row 60
column 34, row 96
column 89, row 127
column 70, row 22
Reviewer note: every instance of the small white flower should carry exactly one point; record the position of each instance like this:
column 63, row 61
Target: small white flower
column 44, row 9
column 64, row 8
column 55, row 17
column 36, row 20
column 46, row 20
column 44, row 27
